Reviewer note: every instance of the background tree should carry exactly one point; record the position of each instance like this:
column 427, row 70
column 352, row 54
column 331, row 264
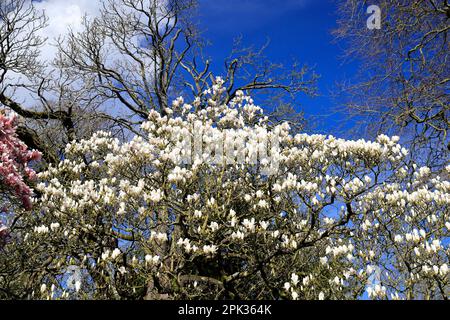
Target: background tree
column 403, row 84
column 136, row 56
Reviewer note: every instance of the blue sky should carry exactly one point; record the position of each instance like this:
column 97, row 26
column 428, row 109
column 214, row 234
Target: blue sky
column 299, row 29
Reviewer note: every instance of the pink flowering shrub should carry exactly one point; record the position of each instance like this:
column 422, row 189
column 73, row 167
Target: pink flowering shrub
column 14, row 159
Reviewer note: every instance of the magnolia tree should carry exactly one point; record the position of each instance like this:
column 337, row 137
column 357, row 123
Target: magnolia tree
column 14, row 159
column 214, row 201
column 14, row 170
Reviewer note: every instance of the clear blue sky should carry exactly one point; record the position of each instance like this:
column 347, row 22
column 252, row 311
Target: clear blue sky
column 299, row 29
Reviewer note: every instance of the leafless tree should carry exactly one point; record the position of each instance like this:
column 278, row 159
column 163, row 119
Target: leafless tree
column 403, row 84
column 60, row 104
column 137, row 55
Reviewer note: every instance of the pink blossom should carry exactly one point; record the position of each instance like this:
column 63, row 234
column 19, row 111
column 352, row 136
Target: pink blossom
column 14, row 159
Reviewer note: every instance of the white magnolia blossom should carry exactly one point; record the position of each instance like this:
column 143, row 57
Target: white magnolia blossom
column 308, row 214
column 77, row 285
column 210, row 249
column 151, row 259
column 116, row 252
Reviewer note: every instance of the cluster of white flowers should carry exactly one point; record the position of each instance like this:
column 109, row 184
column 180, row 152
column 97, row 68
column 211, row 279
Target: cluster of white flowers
column 303, row 287
column 41, row 229
column 377, row 291
column 210, row 249
column 159, row 236
column 343, row 204
column 111, row 254
column 152, row 259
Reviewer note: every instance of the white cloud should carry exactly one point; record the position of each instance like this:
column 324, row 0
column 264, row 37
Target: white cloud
column 65, row 15
column 62, row 15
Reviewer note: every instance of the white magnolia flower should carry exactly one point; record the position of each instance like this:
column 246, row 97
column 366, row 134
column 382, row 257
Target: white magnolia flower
column 77, row 285
column 197, row 214
column 54, row 226
column 264, row 224
column 214, row 226
column 443, row 270
column 149, row 259
column 105, row 255
column 159, row 236
column 210, row 249
column 294, row 279
column 122, row 270
column 323, row 260
column 249, row 224
column 263, row 204
column 287, row 286
column 156, row 195
column 238, row 235
column 116, row 252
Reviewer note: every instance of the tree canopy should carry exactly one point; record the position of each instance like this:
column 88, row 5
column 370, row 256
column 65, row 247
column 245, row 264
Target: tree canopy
column 161, row 180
